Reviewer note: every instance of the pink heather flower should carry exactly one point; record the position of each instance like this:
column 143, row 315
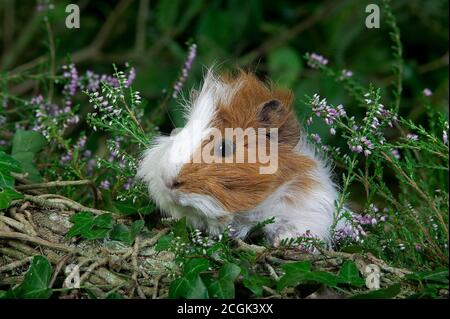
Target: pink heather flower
column 321, row 108
column 314, row 60
column 185, row 71
column 316, row 138
column 396, row 153
column 131, row 77
column 427, row 92
column 71, row 74
column 347, row 73
column 445, row 137
column 332, row 131
column 412, row 137
column 105, row 184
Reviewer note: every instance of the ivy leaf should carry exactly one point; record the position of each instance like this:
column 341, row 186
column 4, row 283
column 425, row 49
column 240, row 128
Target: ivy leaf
column 191, row 285
column 27, row 141
column 26, row 160
column 82, row 223
column 90, row 227
column 126, row 234
column 36, row 281
column 179, row 229
column 164, row 242
column 294, row 274
column 386, row 293
column 255, row 283
column 349, row 274
column 7, row 195
column 223, row 288
column 25, row 145
column 297, row 273
column 7, row 192
column 104, row 221
column 439, row 276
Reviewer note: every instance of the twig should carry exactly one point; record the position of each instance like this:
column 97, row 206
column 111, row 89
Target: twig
column 272, row 272
column 92, row 267
column 95, row 191
column 38, row 241
column 16, row 264
column 58, row 268
column 151, row 241
column 155, row 286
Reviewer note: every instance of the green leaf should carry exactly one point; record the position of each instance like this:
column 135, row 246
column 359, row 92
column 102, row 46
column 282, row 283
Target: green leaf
column 7, row 165
column 90, row 227
column 179, row 229
column 114, row 295
column 438, row 276
column 255, row 283
column 126, row 234
column 36, row 281
column 164, row 243
column 223, row 287
column 82, row 223
column 26, row 160
column 195, row 266
column 387, row 293
column 7, row 195
column 27, row 141
column 104, row 221
column 299, row 272
column 285, row 66
column 25, row 145
column 191, row 285
column 349, row 274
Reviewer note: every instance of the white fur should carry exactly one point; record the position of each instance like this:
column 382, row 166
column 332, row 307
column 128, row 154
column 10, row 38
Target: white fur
column 312, row 211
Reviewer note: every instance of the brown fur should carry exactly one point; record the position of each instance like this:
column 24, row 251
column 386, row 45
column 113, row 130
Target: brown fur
column 240, row 186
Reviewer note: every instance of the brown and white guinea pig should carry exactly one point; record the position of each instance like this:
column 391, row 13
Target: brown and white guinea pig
column 213, row 195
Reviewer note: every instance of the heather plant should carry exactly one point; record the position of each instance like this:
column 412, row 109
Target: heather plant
column 69, row 152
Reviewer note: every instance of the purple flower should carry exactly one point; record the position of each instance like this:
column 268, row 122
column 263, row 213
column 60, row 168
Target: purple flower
column 71, row 74
column 412, row 137
column 427, row 92
column 128, row 183
column 316, row 138
column 396, row 153
column 105, row 184
column 131, row 77
column 329, row 113
column 66, row 158
column 185, row 71
column 315, row 60
column 347, row 73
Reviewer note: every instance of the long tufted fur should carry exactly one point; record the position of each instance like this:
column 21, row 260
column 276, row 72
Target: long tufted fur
column 300, row 194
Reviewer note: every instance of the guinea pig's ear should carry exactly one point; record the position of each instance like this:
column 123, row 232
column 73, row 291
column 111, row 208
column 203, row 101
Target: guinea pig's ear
column 270, row 112
column 274, row 114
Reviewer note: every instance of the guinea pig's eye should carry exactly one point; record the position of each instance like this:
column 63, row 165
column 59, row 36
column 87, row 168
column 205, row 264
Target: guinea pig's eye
column 225, row 148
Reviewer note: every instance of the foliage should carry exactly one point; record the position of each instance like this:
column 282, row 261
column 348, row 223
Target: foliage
column 364, row 101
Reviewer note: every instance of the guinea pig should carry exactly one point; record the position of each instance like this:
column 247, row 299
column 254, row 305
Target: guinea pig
column 219, row 191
